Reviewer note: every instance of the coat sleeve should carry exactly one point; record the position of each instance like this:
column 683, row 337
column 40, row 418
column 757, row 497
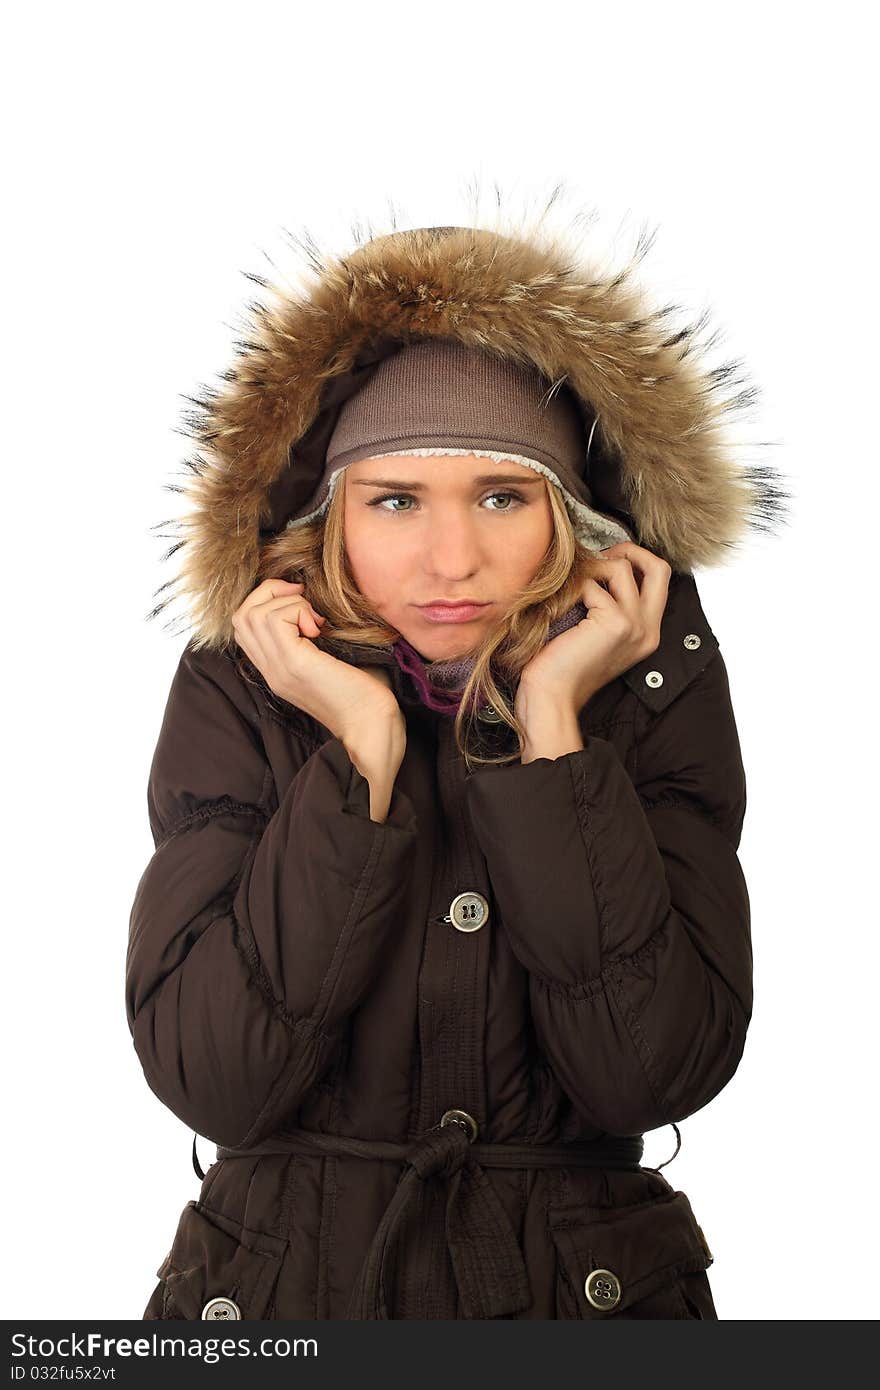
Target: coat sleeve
column 257, row 925
column 625, row 900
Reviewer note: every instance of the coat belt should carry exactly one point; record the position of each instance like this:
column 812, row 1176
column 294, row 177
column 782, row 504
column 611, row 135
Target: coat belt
column 488, row 1264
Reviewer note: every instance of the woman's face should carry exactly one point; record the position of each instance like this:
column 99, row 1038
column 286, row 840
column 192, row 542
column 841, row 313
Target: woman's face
column 446, row 527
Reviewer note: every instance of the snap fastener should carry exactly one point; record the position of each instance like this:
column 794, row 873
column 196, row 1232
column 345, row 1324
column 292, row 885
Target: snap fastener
column 469, row 911
column 602, row 1288
column 692, row 641
column 489, row 715
column 461, row 1117
column 654, row 678
column 220, row 1310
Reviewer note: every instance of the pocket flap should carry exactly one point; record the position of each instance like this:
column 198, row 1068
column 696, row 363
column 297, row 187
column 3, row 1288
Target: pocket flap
column 645, row 1247
column 215, row 1257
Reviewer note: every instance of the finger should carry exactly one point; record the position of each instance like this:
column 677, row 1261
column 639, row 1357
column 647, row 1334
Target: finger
column 655, row 573
column 300, row 615
column 304, row 616
column 641, row 559
column 261, row 638
column 625, row 548
column 296, row 614
column 618, row 575
column 268, row 589
column 655, row 591
column 283, row 601
column 595, row 596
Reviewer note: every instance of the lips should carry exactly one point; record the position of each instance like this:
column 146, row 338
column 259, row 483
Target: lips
column 451, row 612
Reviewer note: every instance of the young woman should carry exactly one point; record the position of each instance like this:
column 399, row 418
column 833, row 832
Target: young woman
column 445, row 909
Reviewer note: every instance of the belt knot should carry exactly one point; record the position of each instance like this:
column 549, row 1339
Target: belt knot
column 486, row 1258
column 441, row 1152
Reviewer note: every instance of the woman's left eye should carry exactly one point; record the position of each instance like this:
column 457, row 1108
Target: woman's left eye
column 517, row 497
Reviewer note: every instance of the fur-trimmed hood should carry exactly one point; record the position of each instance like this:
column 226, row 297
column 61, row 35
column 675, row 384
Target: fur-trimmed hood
column 660, row 459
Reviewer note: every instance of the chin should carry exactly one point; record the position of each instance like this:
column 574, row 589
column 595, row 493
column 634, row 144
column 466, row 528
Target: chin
column 440, row 642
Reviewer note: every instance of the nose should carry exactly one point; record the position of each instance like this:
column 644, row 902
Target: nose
column 452, row 547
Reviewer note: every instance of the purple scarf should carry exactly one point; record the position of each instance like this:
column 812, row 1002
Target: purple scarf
column 440, row 683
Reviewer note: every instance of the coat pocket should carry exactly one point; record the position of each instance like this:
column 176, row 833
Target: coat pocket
column 647, row 1260
column 214, row 1257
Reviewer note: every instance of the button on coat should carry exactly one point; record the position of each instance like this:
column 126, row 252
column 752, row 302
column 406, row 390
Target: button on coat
column 220, row 1309
column 469, row 911
column 602, row 1288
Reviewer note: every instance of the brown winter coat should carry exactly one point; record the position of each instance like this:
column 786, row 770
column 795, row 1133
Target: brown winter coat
column 309, row 985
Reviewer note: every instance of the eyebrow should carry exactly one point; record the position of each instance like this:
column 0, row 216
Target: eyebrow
column 484, row 481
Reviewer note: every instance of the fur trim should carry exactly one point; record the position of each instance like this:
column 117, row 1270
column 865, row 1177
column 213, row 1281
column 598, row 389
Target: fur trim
column 525, row 293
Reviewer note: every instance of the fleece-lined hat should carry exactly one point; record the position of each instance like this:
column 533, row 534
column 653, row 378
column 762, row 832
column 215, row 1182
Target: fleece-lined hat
column 439, row 397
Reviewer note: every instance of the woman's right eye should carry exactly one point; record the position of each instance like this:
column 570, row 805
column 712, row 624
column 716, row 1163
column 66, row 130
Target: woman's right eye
column 391, row 497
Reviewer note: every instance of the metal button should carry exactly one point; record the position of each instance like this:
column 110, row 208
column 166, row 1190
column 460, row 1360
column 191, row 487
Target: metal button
column 461, row 1117
column 489, row 715
column 469, row 911
column 692, row 641
column 602, row 1289
column 654, row 678
column 220, row 1310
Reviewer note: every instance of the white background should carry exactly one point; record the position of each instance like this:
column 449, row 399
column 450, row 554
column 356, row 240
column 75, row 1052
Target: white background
column 153, row 154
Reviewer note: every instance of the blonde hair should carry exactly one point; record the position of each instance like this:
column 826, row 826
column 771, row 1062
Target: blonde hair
column 314, row 554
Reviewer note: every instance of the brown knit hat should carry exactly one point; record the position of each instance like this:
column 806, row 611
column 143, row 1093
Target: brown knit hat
column 439, row 397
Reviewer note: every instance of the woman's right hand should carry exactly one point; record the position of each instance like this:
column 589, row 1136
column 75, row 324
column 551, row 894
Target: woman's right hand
column 273, row 626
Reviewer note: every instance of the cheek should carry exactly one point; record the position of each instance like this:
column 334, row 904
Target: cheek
column 529, row 538
column 378, row 569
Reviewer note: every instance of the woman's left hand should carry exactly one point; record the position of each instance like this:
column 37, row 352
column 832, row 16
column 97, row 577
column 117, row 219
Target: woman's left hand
column 622, row 627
